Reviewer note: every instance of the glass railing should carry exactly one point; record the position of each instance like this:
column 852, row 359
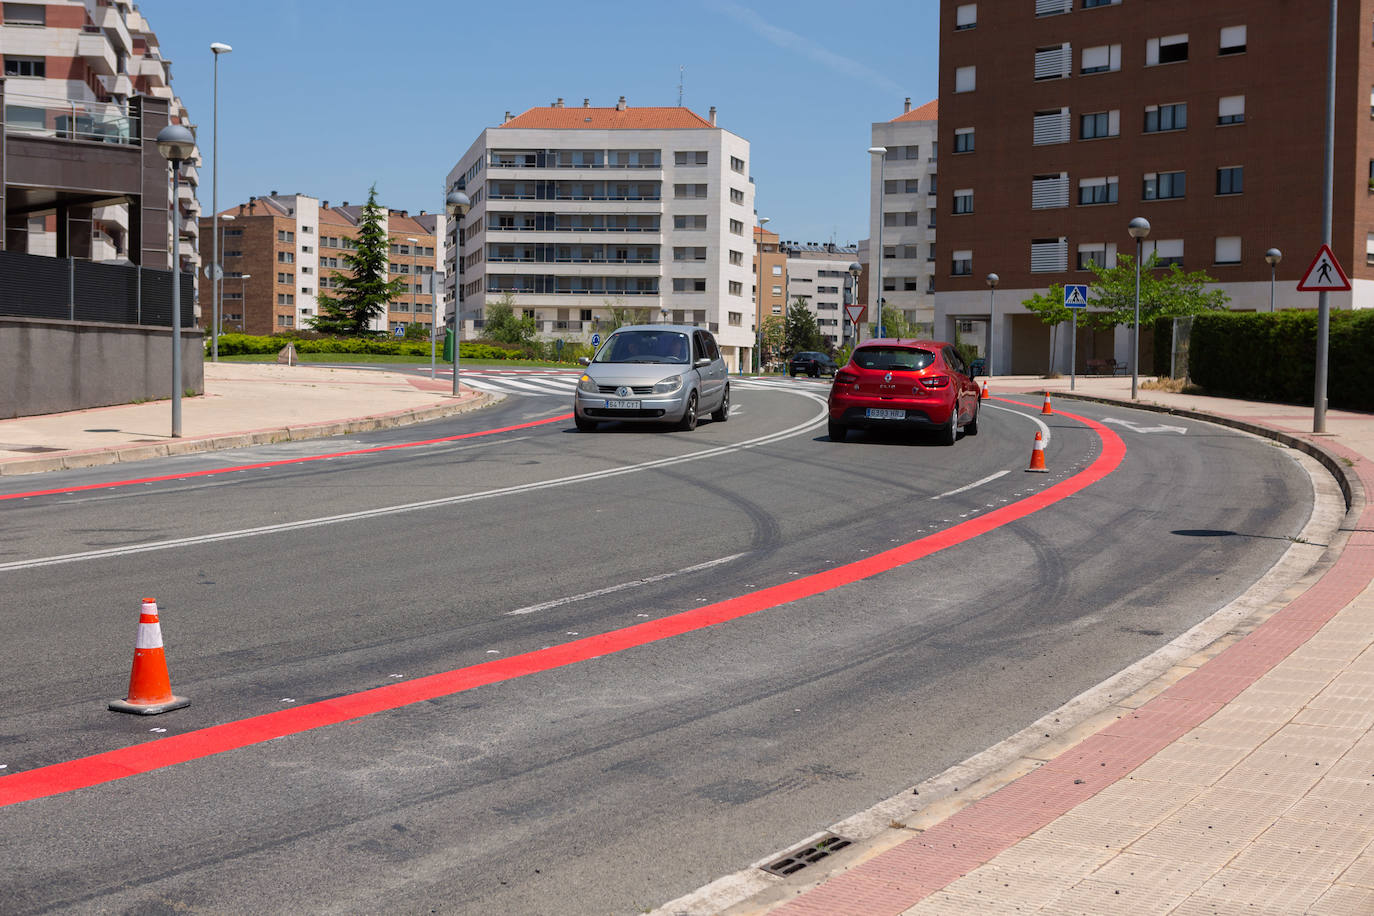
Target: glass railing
column 65, row 120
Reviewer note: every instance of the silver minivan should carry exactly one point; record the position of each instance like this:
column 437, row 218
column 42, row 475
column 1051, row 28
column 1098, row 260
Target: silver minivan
column 656, row 373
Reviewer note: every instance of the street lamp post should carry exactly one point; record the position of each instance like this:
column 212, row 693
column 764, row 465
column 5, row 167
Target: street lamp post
column 992, row 319
column 1138, row 228
column 758, row 297
column 855, row 269
column 243, row 298
column 457, row 204
column 176, row 144
column 881, row 153
column 1272, row 257
column 217, row 272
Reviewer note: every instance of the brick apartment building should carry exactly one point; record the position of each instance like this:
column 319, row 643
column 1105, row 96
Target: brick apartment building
column 1061, row 120
column 770, row 263
column 575, row 208
column 280, row 251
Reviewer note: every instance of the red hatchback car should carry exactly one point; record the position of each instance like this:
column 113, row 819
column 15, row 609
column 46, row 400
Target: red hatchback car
column 904, row 384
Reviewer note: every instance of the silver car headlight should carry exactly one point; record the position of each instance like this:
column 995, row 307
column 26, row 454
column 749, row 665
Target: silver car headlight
column 668, row 385
column 587, row 383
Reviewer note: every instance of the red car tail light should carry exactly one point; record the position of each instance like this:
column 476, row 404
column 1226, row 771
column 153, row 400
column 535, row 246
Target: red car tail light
column 845, row 378
column 936, row 381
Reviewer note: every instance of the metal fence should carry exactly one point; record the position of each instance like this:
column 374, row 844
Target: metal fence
column 32, row 286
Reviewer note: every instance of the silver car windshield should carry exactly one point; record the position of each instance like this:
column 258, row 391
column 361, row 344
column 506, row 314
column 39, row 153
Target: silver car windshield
column 646, row 346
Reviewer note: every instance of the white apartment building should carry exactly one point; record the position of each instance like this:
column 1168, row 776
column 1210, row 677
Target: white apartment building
column 902, row 214
column 71, row 68
column 818, row 275
column 578, row 210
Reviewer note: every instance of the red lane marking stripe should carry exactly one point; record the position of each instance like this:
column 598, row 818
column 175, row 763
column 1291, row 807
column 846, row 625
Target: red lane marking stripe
column 273, row 464
column 216, row 739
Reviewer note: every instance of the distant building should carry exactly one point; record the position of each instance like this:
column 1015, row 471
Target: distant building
column 1061, row 121
column 579, row 210
column 818, row 276
column 84, row 94
column 770, row 276
column 280, row 251
column 902, row 213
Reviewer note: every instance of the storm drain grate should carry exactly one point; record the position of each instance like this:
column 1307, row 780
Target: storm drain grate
column 809, row 854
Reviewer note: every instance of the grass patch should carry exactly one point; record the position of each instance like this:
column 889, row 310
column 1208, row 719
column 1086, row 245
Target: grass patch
column 1176, row 385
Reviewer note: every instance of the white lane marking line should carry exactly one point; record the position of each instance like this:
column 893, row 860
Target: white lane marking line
column 647, row 580
column 403, row 508
column 1044, row 430
column 977, row 483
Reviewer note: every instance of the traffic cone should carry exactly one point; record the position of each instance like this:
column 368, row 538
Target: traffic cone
column 984, row 395
column 150, row 691
column 1037, row 462
column 1045, row 408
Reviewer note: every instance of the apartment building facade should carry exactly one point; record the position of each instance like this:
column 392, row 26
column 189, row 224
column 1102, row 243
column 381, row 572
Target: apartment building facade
column 819, row 280
column 281, row 252
column 902, row 211
column 1061, row 120
column 579, row 210
column 89, row 75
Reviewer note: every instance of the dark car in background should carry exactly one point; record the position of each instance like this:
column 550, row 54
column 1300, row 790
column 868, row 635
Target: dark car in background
column 811, row 363
column 904, row 384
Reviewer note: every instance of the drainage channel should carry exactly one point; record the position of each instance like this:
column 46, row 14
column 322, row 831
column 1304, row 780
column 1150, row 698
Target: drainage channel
column 791, row 863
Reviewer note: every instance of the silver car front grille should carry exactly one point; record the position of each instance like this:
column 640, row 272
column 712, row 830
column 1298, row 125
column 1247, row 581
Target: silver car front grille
column 637, row 389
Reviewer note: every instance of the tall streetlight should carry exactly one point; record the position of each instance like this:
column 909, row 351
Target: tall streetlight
column 1272, row 257
column 243, row 298
column 176, row 144
column 881, row 153
column 217, row 272
column 1138, row 228
column 993, row 280
column 758, row 297
column 854, row 270
column 457, row 204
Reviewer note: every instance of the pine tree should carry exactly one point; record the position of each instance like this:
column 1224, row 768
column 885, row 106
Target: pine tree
column 365, row 294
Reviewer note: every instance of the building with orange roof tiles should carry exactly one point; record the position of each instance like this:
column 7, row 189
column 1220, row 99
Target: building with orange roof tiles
column 902, row 215
column 578, row 211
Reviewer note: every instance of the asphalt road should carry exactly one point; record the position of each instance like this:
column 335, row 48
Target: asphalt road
column 605, row 785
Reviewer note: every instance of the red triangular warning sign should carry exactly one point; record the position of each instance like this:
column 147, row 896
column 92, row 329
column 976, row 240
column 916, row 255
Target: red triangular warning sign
column 855, row 312
column 1325, row 274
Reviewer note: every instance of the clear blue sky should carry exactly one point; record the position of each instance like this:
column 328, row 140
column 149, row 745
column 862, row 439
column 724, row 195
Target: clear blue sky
column 326, row 98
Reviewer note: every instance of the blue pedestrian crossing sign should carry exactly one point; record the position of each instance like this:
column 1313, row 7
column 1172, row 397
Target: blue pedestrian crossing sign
column 1076, row 296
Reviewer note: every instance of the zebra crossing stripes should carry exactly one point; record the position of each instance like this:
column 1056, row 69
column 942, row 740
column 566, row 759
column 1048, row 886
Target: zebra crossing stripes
column 560, row 385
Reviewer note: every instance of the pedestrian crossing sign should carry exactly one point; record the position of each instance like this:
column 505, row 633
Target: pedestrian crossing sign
column 1325, row 274
column 1076, row 296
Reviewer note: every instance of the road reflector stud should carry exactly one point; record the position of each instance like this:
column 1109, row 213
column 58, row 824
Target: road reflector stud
column 150, row 690
column 1037, row 461
column 1046, row 409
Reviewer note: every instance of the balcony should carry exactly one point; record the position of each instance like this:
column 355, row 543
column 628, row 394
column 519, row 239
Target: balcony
column 69, row 120
column 111, row 19
column 95, row 49
column 118, row 84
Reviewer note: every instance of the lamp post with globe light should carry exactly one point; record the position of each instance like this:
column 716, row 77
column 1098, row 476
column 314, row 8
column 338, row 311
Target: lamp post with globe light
column 216, row 271
column 1139, row 228
column 992, row 281
column 457, row 204
column 176, row 144
column 881, row 153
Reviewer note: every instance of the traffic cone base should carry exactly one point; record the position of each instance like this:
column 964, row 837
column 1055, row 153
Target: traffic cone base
column 1046, row 409
column 984, row 395
column 1037, row 460
column 150, row 691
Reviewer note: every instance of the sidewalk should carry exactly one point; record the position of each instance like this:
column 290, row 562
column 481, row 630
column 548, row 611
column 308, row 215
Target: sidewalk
column 1240, row 782
column 244, row 404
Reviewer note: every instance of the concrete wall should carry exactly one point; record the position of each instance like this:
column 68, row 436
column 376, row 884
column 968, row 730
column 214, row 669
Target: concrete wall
column 49, row 366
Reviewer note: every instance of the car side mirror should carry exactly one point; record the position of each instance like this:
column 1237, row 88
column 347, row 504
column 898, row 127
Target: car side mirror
column 702, row 362
column 584, row 360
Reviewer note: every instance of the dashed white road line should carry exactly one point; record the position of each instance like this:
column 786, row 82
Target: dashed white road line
column 610, row 589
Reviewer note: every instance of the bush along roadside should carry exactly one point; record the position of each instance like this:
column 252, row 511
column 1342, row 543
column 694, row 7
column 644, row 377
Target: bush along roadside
column 1273, row 356
column 235, row 344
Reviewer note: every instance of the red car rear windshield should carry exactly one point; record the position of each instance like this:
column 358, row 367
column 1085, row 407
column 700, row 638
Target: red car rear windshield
column 903, row 358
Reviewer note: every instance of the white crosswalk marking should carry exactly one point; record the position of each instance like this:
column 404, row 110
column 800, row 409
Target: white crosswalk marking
column 531, row 385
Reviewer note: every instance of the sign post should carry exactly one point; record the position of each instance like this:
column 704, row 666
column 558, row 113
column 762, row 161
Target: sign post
column 855, row 312
column 1075, row 298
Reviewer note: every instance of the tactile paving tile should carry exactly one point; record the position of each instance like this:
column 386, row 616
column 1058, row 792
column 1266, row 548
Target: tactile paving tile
column 1288, row 893
column 1314, row 864
column 1137, row 801
column 1344, row 840
column 1361, row 871
column 1173, row 842
column 1187, row 772
column 1094, row 898
column 1172, row 874
column 1343, row 901
column 1232, row 798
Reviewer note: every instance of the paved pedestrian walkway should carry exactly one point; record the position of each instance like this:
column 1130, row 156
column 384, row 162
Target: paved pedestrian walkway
column 244, row 404
column 1241, row 783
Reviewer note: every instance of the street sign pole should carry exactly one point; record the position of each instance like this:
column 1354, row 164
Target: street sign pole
column 1073, row 352
column 1075, row 298
column 1323, row 311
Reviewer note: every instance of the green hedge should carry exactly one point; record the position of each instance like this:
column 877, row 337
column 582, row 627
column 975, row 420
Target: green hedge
column 232, row 344
column 1273, row 356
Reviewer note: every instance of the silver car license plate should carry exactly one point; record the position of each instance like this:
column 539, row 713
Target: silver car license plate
column 884, row 413
column 622, row 405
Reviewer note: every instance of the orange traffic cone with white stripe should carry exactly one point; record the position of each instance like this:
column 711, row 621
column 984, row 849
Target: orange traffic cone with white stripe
column 1037, row 462
column 1045, row 408
column 150, row 690
column 984, row 395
